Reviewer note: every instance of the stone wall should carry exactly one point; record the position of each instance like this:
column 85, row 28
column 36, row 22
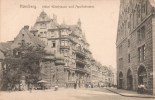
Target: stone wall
column 127, row 37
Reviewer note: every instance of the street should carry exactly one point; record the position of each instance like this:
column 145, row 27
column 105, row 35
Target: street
column 66, row 94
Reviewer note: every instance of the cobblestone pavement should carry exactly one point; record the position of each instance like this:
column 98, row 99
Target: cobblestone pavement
column 66, row 94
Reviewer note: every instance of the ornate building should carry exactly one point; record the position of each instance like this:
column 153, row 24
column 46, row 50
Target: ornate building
column 68, row 40
column 135, row 45
column 67, row 58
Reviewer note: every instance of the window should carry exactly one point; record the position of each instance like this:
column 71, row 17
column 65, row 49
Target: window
column 121, row 62
column 52, row 34
column 128, row 58
column 141, row 34
column 128, row 42
column 22, row 34
column 64, row 43
column 53, row 44
column 143, row 7
column 62, row 51
column 138, row 11
column 141, row 53
column 23, row 42
column 64, row 32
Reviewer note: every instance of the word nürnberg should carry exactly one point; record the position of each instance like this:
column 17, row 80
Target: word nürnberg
column 56, row 6
column 28, row 6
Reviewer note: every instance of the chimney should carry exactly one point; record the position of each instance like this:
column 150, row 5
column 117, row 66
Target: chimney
column 54, row 17
column 26, row 27
column 79, row 22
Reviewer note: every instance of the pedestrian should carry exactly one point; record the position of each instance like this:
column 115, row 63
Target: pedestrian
column 30, row 87
column 74, row 85
column 56, row 88
column 142, row 86
column 9, row 87
column 139, row 89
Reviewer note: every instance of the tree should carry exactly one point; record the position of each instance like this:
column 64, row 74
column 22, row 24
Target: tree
column 23, row 61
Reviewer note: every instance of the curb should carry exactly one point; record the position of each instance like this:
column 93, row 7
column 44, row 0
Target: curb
column 131, row 95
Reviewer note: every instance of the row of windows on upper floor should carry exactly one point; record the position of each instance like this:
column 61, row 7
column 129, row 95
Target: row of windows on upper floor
column 51, row 34
column 141, row 34
column 141, row 55
column 66, row 43
column 136, row 6
column 134, row 18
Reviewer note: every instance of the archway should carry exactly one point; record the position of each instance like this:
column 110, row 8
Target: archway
column 120, row 80
column 142, row 75
column 129, row 80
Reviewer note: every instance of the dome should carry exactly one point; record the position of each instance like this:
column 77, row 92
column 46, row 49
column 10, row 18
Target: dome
column 59, row 56
column 49, row 51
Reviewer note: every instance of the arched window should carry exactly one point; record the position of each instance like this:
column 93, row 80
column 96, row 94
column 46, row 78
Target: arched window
column 142, row 75
column 120, row 83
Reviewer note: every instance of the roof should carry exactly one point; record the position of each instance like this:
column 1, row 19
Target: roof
column 33, row 38
column 63, row 26
column 36, row 40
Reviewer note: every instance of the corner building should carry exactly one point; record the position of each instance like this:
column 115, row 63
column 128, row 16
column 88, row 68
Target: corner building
column 136, row 45
column 68, row 40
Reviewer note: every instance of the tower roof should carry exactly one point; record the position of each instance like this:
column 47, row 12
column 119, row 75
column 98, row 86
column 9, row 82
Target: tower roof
column 43, row 17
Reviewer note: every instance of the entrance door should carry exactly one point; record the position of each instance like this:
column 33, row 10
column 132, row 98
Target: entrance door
column 120, row 83
column 142, row 75
column 129, row 80
column 120, row 80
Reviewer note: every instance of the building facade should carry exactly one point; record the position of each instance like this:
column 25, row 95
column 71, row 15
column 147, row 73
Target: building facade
column 68, row 40
column 136, row 45
column 67, row 59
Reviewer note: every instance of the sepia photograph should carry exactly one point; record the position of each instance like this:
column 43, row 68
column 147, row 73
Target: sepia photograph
column 77, row 49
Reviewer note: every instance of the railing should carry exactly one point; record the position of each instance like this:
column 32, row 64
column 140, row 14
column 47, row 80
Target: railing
column 80, row 52
column 85, row 70
column 63, row 46
column 81, row 61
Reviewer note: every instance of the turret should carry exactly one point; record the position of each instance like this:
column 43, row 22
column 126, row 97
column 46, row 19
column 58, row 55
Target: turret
column 79, row 22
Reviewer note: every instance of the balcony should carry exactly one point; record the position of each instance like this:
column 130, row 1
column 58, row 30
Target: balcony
column 33, row 29
column 73, row 40
column 80, row 61
column 75, row 34
column 81, row 53
column 64, row 47
column 83, row 70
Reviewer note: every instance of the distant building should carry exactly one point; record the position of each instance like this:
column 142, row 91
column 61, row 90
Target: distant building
column 101, row 76
column 136, row 45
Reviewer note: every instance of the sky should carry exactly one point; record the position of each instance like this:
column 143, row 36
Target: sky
column 99, row 22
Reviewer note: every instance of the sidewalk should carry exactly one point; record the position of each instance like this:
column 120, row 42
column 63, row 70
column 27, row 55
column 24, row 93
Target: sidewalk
column 128, row 93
